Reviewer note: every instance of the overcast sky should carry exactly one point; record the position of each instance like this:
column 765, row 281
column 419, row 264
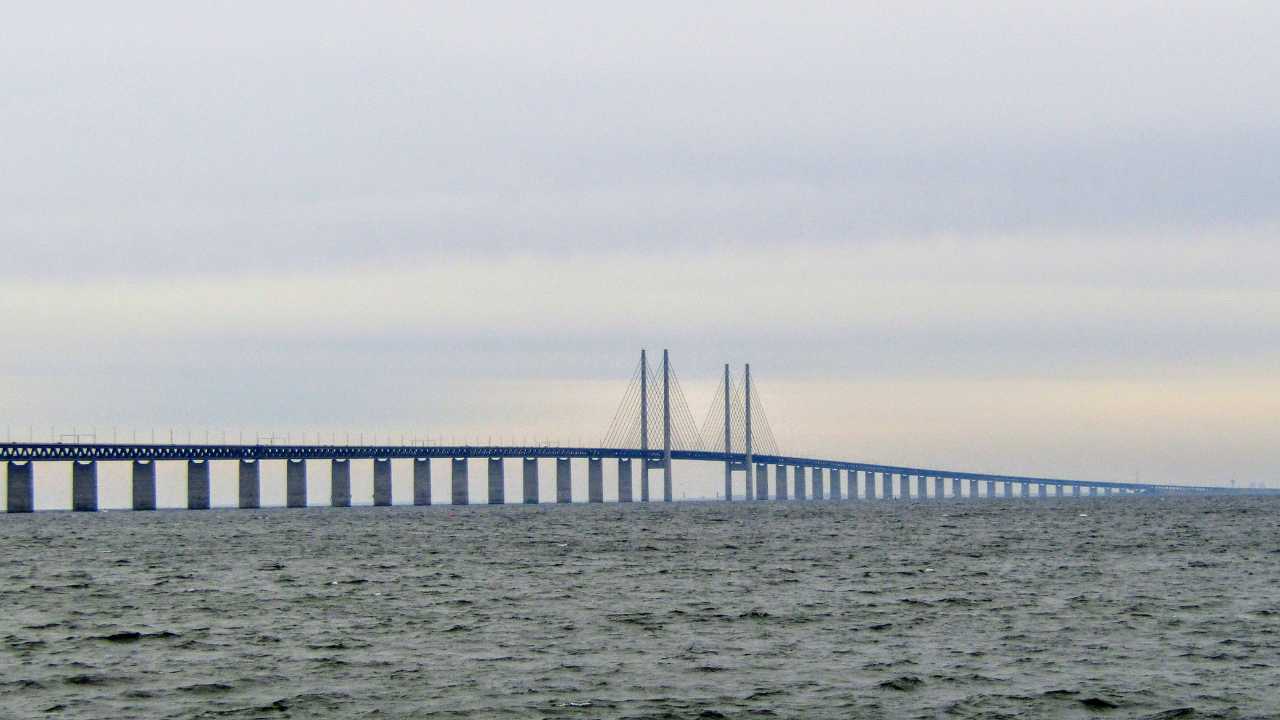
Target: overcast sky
column 1024, row 237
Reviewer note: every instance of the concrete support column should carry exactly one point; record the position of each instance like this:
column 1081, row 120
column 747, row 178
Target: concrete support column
column 1008, row 489
column 955, row 488
column 1057, row 491
column 422, row 481
column 460, row 491
column 644, row 480
column 21, row 487
column 1093, row 489
column 799, row 483
column 762, row 482
column 991, row 488
column 922, row 487
column 749, row 492
column 197, row 484
column 564, row 481
column 973, row 488
column 595, row 480
column 295, row 483
column 340, row 483
column 497, row 482
column 904, row 486
column 780, row 482
column 382, row 482
column 1024, row 489
column 250, row 495
column 868, row 485
column 144, row 485
column 84, row 486
column 624, row 480
column 1075, row 491
column 1044, row 490
column 529, row 481
column 817, row 483
column 833, row 484
column 886, row 486
column 852, row 477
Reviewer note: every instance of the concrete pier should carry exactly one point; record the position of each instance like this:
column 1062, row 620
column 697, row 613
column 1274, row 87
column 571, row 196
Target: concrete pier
column 922, row 487
column 762, row 482
column 833, row 484
column 1057, row 491
column 497, row 482
column 886, row 486
column 422, row 481
column 798, row 490
column 1093, row 489
column 644, row 481
column 973, row 489
column 382, row 482
column 749, row 490
column 21, row 488
column 460, row 491
column 1044, row 490
column 564, row 481
column 529, row 481
column 250, row 495
column 939, row 488
column 340, row 483
column 780, row 482
column 295, row 482
column 84, row 486
column 956, row 488
column 1075, row 491
column 868, row 485
column 144, row 485
column 1024, row 489
column 991, row 488
column 851, row 476
column 595, row 480
column 817, row 483
column 624, row 480
column 198, row 485
column 904, row 487
column 1008, row 489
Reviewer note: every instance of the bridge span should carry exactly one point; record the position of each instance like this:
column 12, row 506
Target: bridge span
column 748, row 448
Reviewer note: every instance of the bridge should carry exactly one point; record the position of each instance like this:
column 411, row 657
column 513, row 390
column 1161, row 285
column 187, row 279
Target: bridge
column 735, row 434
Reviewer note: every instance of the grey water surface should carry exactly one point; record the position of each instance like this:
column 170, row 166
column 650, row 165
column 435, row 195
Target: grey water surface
column 1109, row 607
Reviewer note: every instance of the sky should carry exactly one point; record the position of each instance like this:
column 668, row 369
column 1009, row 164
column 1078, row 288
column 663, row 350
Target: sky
column 1032, row 238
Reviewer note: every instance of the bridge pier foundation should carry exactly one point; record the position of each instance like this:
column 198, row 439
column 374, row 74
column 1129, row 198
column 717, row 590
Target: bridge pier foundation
column 1075, row 491
column 20, row 487
column 780, row 482
column 595, row 480
column 295, row 483
column 422, row 481
column 1093, row 489
column 749, row 490
column 1057, row 491
column 459, row 487
column 798, row 481
column 886, row 486
column 939, row 488
column 624, row 480
column 84, row 486
column 851, row 477
column 904, row 486
column 198, row 485
column 762, row 481
column 991, row 488
column 382, row 482
column 868, row 485
column 816, row 480
column 1024, row 490
column 144, row 485
column 497, row 482
column 833, row 483
column 956, row 489
column 922, row 487
column 644, row 481
column 564, row 481
column 1044, row 490
column 1008, row 489
column 250, row 491
column 340, row 482
column 973, row 489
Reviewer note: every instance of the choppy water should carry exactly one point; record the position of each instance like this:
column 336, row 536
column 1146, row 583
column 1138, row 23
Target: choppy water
column 1158, row 607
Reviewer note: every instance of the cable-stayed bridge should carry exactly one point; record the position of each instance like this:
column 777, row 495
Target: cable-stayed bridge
column 652, row 428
